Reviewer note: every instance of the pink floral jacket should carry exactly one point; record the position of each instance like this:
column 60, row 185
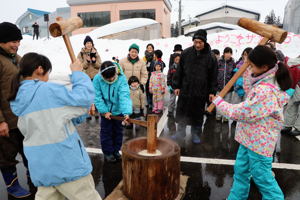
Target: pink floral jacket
column 260, row 116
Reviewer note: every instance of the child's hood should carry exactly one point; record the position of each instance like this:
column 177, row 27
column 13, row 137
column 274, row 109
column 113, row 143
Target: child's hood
column 25, row 96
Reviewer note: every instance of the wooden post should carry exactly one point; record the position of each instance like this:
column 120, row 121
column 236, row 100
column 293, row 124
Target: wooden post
column 151, row 133
column 151, row 177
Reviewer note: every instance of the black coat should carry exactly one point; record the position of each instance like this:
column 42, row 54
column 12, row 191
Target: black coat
column 196, row 77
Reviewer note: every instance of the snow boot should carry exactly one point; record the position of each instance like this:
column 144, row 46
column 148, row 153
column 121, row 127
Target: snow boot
column 13, row 187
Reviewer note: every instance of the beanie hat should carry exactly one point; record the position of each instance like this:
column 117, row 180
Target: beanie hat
column 159, row 63
column 177, row 47
column 200, row 34
column 9, row 32
column 134, row 46
column 88, row 39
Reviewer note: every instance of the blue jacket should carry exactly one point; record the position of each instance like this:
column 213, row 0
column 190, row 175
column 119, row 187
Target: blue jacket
column 113, row 98
column 47, row 113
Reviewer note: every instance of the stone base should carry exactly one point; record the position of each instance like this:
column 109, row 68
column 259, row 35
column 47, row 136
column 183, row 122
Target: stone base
column 118, row 193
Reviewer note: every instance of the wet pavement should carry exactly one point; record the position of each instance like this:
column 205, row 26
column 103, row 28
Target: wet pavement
column 206, row 181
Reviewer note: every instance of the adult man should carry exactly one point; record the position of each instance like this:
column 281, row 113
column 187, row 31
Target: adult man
column 194, row 81
column 11, row 139
column 36, row 30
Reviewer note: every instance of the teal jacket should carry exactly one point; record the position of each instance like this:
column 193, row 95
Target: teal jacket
column 113, row 98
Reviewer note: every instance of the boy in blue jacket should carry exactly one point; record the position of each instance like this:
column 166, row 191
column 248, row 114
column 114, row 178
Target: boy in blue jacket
column 58, row 163
column 112, row 98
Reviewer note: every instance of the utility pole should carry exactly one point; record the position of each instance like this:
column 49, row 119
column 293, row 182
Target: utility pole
column 179, row 19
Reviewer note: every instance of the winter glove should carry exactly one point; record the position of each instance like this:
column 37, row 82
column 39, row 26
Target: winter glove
column 170, row 89
column 142, row 88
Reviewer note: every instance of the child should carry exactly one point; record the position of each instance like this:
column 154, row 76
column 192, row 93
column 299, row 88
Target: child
column 225, row 73
column 58, row 163
column 137, row 96
column 171, row 72
column 151, row 68
column 259, row 122
column 239, row 94
column 157, row 88
column 112, row 98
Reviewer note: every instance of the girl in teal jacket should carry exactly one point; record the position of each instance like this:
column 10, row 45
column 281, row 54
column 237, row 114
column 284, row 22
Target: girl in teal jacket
column 112, row 98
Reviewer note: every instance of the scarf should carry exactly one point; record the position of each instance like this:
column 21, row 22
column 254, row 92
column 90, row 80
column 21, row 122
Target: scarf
column 264, row 75
column 132, row 60
column 149, row 56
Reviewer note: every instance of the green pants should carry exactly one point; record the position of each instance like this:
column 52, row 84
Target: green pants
column 249, row 165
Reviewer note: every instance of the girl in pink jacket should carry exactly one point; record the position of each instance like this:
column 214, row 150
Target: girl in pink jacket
column 260, row 119
column 157, row 87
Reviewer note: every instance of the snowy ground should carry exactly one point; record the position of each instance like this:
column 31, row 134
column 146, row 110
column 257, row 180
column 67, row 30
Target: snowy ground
column 55, row 49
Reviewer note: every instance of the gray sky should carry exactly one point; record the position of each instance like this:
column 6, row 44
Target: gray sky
column 12, row 9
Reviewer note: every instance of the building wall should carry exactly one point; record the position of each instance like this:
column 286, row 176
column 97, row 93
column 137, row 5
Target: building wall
column 292, row 16
column 149, row 32
column 27, row 21
column 162, row 13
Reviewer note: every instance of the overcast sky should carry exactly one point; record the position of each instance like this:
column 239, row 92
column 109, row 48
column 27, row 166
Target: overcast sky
column 12, row 9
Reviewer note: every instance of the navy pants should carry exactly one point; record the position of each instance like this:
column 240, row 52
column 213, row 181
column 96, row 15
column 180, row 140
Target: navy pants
column 111, row 135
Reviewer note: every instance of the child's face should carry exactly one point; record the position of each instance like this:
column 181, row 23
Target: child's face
column 258, row 71
column 111, row 79
column 134, row 84
column 133, row 53
column 227, row 55
column 177, row 59
column 157, row 68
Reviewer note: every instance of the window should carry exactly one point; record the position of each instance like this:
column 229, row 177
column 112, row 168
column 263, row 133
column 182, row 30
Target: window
column 25, row 29
column 126, row 14
column 92, row 19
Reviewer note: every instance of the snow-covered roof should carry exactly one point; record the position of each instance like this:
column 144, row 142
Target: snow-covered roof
column 229, row 6
column 188, row 21
column 121, row 26
column 214, row 25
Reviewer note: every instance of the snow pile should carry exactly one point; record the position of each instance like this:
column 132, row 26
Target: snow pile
column 120, row 26
column 56, row 51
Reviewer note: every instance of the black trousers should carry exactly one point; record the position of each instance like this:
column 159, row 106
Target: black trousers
column 10, row 147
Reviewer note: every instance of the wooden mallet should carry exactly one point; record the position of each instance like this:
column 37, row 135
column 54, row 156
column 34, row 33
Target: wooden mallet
column 269, row 32
column 63, row 28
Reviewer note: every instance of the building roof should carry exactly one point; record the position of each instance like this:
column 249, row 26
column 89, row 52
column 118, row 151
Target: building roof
column 121, row 26
column 189, row 21
column 232, row 7
column 85, row 2
column 37, row 12
column 214, row 25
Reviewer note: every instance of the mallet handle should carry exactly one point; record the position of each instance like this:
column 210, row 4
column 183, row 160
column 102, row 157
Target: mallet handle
column 132, row 121
column 69, row 48
column 228, row 86
column 151, row 133
column 239, row 73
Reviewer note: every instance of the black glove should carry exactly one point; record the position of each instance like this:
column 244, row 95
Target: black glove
column 93, row 55
column 142, row 88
